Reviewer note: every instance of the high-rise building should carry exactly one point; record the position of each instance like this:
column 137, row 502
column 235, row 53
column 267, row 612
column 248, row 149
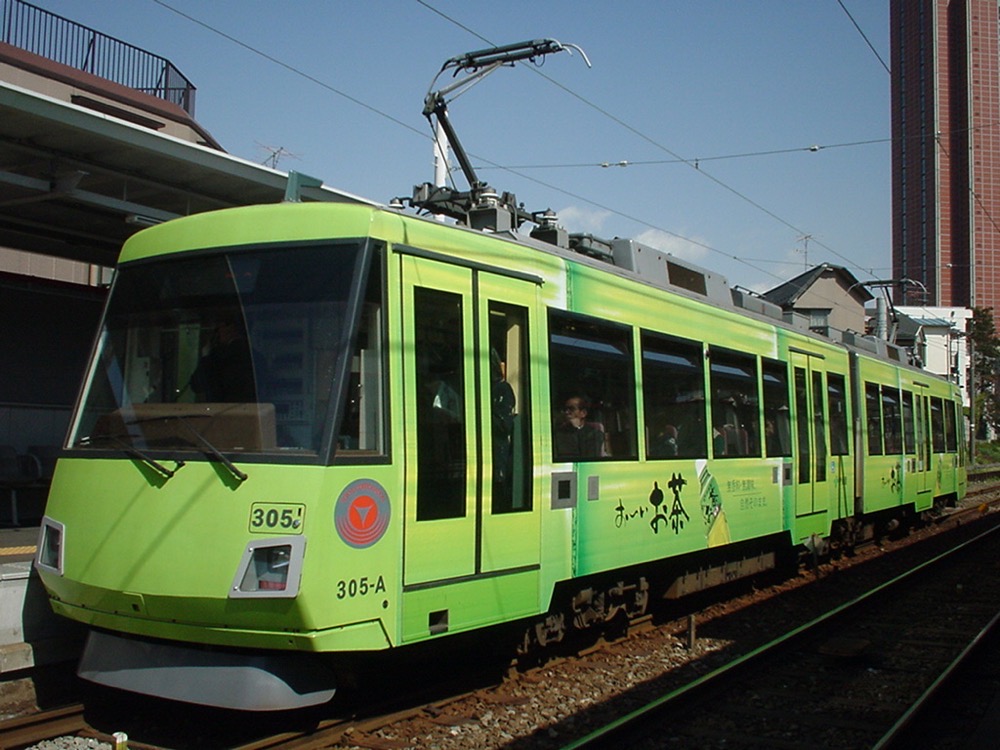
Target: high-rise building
column 946, row 151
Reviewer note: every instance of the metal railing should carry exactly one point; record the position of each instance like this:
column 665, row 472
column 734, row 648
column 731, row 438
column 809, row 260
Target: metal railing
column 48, row 35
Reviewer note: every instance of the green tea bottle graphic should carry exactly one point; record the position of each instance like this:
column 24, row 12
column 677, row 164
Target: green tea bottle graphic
column 712, row 512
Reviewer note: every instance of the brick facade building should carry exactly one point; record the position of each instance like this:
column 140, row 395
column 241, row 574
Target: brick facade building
column 946, row 151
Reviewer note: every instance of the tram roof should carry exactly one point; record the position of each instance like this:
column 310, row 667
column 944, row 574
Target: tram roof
column 75, row 183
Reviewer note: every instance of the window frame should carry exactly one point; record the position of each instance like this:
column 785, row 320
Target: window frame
column 741, row 369
column 587, row 358
column 873, row 419
column 776, row 412
column 660, row 411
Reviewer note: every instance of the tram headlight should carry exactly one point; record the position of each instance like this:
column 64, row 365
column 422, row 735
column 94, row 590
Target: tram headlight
column 49, row 555
column 270, row 568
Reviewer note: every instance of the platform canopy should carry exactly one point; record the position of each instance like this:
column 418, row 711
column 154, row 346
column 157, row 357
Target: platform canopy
column 75, row 183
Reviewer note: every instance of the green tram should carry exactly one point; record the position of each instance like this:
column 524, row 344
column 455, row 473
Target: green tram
column 309, row 429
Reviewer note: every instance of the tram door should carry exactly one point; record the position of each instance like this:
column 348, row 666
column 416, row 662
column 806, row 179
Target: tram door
column 811, row 456
column 466, row 385
column 511, row 521
column 924, row 476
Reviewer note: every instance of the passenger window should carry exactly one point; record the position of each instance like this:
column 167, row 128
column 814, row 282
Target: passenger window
column 673, row 387
column 819, row 426
column 937, row 424
column 950, row 424
column 837, row 403
column 735, row 405
column 362, row 426
column 802, row 425
column 510, row 404
column 924, row 429
column 777, row 424
column 961, row 437
column 909, row 427
column 892, row 421
column 873, row 412
column 441, row 459
column 592, row 388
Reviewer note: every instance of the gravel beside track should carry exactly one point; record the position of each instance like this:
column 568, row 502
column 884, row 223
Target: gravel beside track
column 72, row 743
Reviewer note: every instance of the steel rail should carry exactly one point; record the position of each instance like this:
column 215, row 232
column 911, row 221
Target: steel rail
column 25, row 731
column 890, row 738
column 604, row 735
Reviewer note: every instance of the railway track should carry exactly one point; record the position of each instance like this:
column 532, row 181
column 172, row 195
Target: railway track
column 852, row 678
column 962, row 707
column 29, row 730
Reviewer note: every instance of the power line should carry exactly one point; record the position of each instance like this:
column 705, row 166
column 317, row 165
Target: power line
column 698, row 160
column 622, row 163
column 972, row 191
column 864, row 36
column 642, row 222
column 354, row 100
column 291, row 68
column 635, row 131
column 575, row 196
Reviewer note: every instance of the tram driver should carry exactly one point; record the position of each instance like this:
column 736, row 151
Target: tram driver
column 225, row 373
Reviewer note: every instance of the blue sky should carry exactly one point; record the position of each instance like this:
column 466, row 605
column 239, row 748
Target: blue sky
column 688, row 79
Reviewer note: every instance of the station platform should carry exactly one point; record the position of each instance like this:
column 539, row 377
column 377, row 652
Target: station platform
column 30, row 634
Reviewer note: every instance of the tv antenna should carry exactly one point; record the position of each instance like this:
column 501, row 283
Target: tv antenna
column 275, row 154
column 804, row 239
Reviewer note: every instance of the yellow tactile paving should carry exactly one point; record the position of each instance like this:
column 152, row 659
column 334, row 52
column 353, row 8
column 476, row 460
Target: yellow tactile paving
column 11, row 551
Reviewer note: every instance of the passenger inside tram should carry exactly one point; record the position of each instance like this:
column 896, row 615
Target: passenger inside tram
column 575, row 436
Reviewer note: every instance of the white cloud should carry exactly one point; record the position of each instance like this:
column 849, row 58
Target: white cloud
column 674, row 245
column 586, row 220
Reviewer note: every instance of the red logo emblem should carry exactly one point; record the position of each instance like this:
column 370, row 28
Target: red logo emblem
column 362, row 512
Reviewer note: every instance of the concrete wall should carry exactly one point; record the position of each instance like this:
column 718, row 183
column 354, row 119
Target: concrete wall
column 67, row 84
column 846, row 312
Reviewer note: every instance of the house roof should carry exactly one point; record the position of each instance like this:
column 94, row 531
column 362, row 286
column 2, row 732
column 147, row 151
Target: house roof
column 910, row 326
column 785, row 295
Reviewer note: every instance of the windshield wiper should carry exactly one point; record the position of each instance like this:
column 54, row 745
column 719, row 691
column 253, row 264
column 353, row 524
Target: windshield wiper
column 209, row 448
column 134, row 452
column 182, row 419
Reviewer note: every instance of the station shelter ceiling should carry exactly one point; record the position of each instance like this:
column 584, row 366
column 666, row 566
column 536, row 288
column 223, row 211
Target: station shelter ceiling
column 75, row 183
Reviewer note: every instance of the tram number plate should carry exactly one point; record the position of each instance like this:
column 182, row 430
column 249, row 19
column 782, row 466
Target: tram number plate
column 266, row 518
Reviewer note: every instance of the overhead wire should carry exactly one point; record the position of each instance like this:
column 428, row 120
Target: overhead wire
column 652, row 141
column 864, row 36
column 291, row 68
column 871, row 46
column 355, row 100
column 623, row 163
column 937, row 137
column 296, row 71
column 698, row 160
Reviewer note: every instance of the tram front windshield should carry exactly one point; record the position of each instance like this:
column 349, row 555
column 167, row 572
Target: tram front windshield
column 247, row 350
